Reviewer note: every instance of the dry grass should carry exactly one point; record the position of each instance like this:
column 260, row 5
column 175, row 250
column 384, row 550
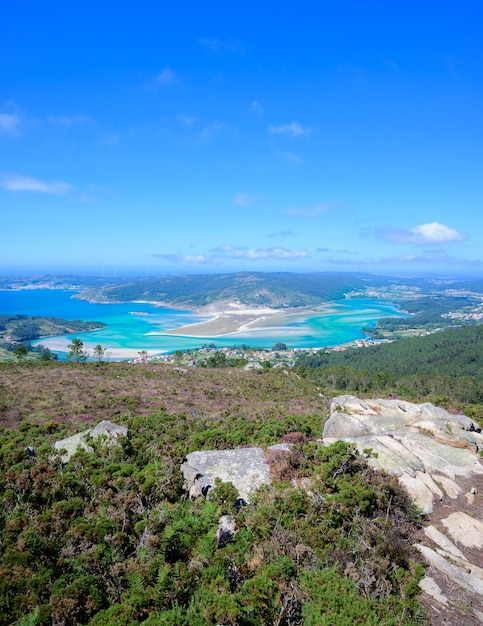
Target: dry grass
column 87, row 393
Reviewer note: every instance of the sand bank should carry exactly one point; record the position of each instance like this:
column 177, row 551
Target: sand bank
column 225, row 322
column 59, row 344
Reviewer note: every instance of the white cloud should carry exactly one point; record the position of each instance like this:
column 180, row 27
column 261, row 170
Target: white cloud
column 444, row 260
column 243, row 199
column 165, row 78
column 18, row 182
column 185, row 259
column 210, row 130
column 218, row 255
column 257, row 108
column 312, row 211
column 9, row 123
column 187, row 119
column 283, row 233
column 432, row 233
column 67, row 121
column 293, row 130
column 331, row 251
column 255, row 254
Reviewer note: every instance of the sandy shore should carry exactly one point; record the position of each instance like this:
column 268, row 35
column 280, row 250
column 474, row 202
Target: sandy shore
column 226, row 322
column 59, row 344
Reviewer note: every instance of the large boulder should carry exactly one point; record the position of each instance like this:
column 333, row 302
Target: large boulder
column 68, row 447
column 245, row 468
column 424, row 445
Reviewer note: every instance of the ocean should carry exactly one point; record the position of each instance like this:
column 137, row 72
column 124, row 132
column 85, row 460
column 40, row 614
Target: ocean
column 130, row 324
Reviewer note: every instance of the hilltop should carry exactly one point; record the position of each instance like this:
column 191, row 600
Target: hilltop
column 108, row 536
column 256, row 289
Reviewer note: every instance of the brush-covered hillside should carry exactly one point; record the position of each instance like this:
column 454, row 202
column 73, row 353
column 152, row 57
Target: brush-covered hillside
column 277, row 289
column 109, row 537
column 446, row 364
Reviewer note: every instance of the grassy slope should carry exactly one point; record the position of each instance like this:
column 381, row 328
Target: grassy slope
column 107, row 539
column 86, row 393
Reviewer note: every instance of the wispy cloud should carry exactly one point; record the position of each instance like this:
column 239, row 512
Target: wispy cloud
column 256, row 108
column 165, row 78
column 210, row 130
column 282, row 233
column 293, row 130
column 432, row 233
column 18, row 182
column 9, row 123
column 444, row 260
column 406, row 261
column 219, row 45
column 10, row 120
column 187, row 119
column 330, row 250
column 185, row 259
column 255, row 254
column 67, row 121
column 311, row 211
column 243, row 199
column 220, row 254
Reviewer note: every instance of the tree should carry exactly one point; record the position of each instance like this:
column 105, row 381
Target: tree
column 76, row 351
column 99, row 352
column 279, row 346
column 45, row 353
column 20, row 352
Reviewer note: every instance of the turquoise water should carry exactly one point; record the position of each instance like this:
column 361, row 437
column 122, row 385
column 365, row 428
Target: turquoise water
column 130, row 324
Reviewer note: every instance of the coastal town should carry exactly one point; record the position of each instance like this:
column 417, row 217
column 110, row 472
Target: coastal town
column 209, row 355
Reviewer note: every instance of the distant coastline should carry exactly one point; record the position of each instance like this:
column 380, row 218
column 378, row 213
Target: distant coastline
column 160, row 328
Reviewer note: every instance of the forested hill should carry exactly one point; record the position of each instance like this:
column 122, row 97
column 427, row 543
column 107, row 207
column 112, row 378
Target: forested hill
column 27, row 328
column 254, row 288
column 454, row 352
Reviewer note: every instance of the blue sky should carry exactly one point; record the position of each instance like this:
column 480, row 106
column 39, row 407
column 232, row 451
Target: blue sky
column 220, row 136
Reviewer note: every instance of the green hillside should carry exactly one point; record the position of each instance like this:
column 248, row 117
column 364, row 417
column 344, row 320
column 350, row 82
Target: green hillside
column 110, row 538
column 254, row 288
column 446, row 366
column 455, row 352
column 28, row 328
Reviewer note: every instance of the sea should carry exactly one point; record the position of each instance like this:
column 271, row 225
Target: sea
column 136, row 326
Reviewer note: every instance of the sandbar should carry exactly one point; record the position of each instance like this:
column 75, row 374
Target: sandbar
column 231, row 321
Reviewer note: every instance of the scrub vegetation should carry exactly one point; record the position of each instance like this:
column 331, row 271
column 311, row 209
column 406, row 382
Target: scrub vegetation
column 110, row 538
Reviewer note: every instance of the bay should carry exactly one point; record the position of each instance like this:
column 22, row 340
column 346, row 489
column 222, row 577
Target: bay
column 130, row 325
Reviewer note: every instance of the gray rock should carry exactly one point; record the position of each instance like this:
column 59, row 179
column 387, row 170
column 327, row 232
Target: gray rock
column 422, row 489
column 226, row 530
column 105, row 428
column 424, row 445
column 465, row 530
column 431, row 588
column 245, row 468
column 253, row 365
column 443, row 542
column 465, row 577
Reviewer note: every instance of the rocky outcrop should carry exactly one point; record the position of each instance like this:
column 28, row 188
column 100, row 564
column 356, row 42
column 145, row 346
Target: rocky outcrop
column 68, row 447
column 436, row 457
column 427, row 447
column 245, row 468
